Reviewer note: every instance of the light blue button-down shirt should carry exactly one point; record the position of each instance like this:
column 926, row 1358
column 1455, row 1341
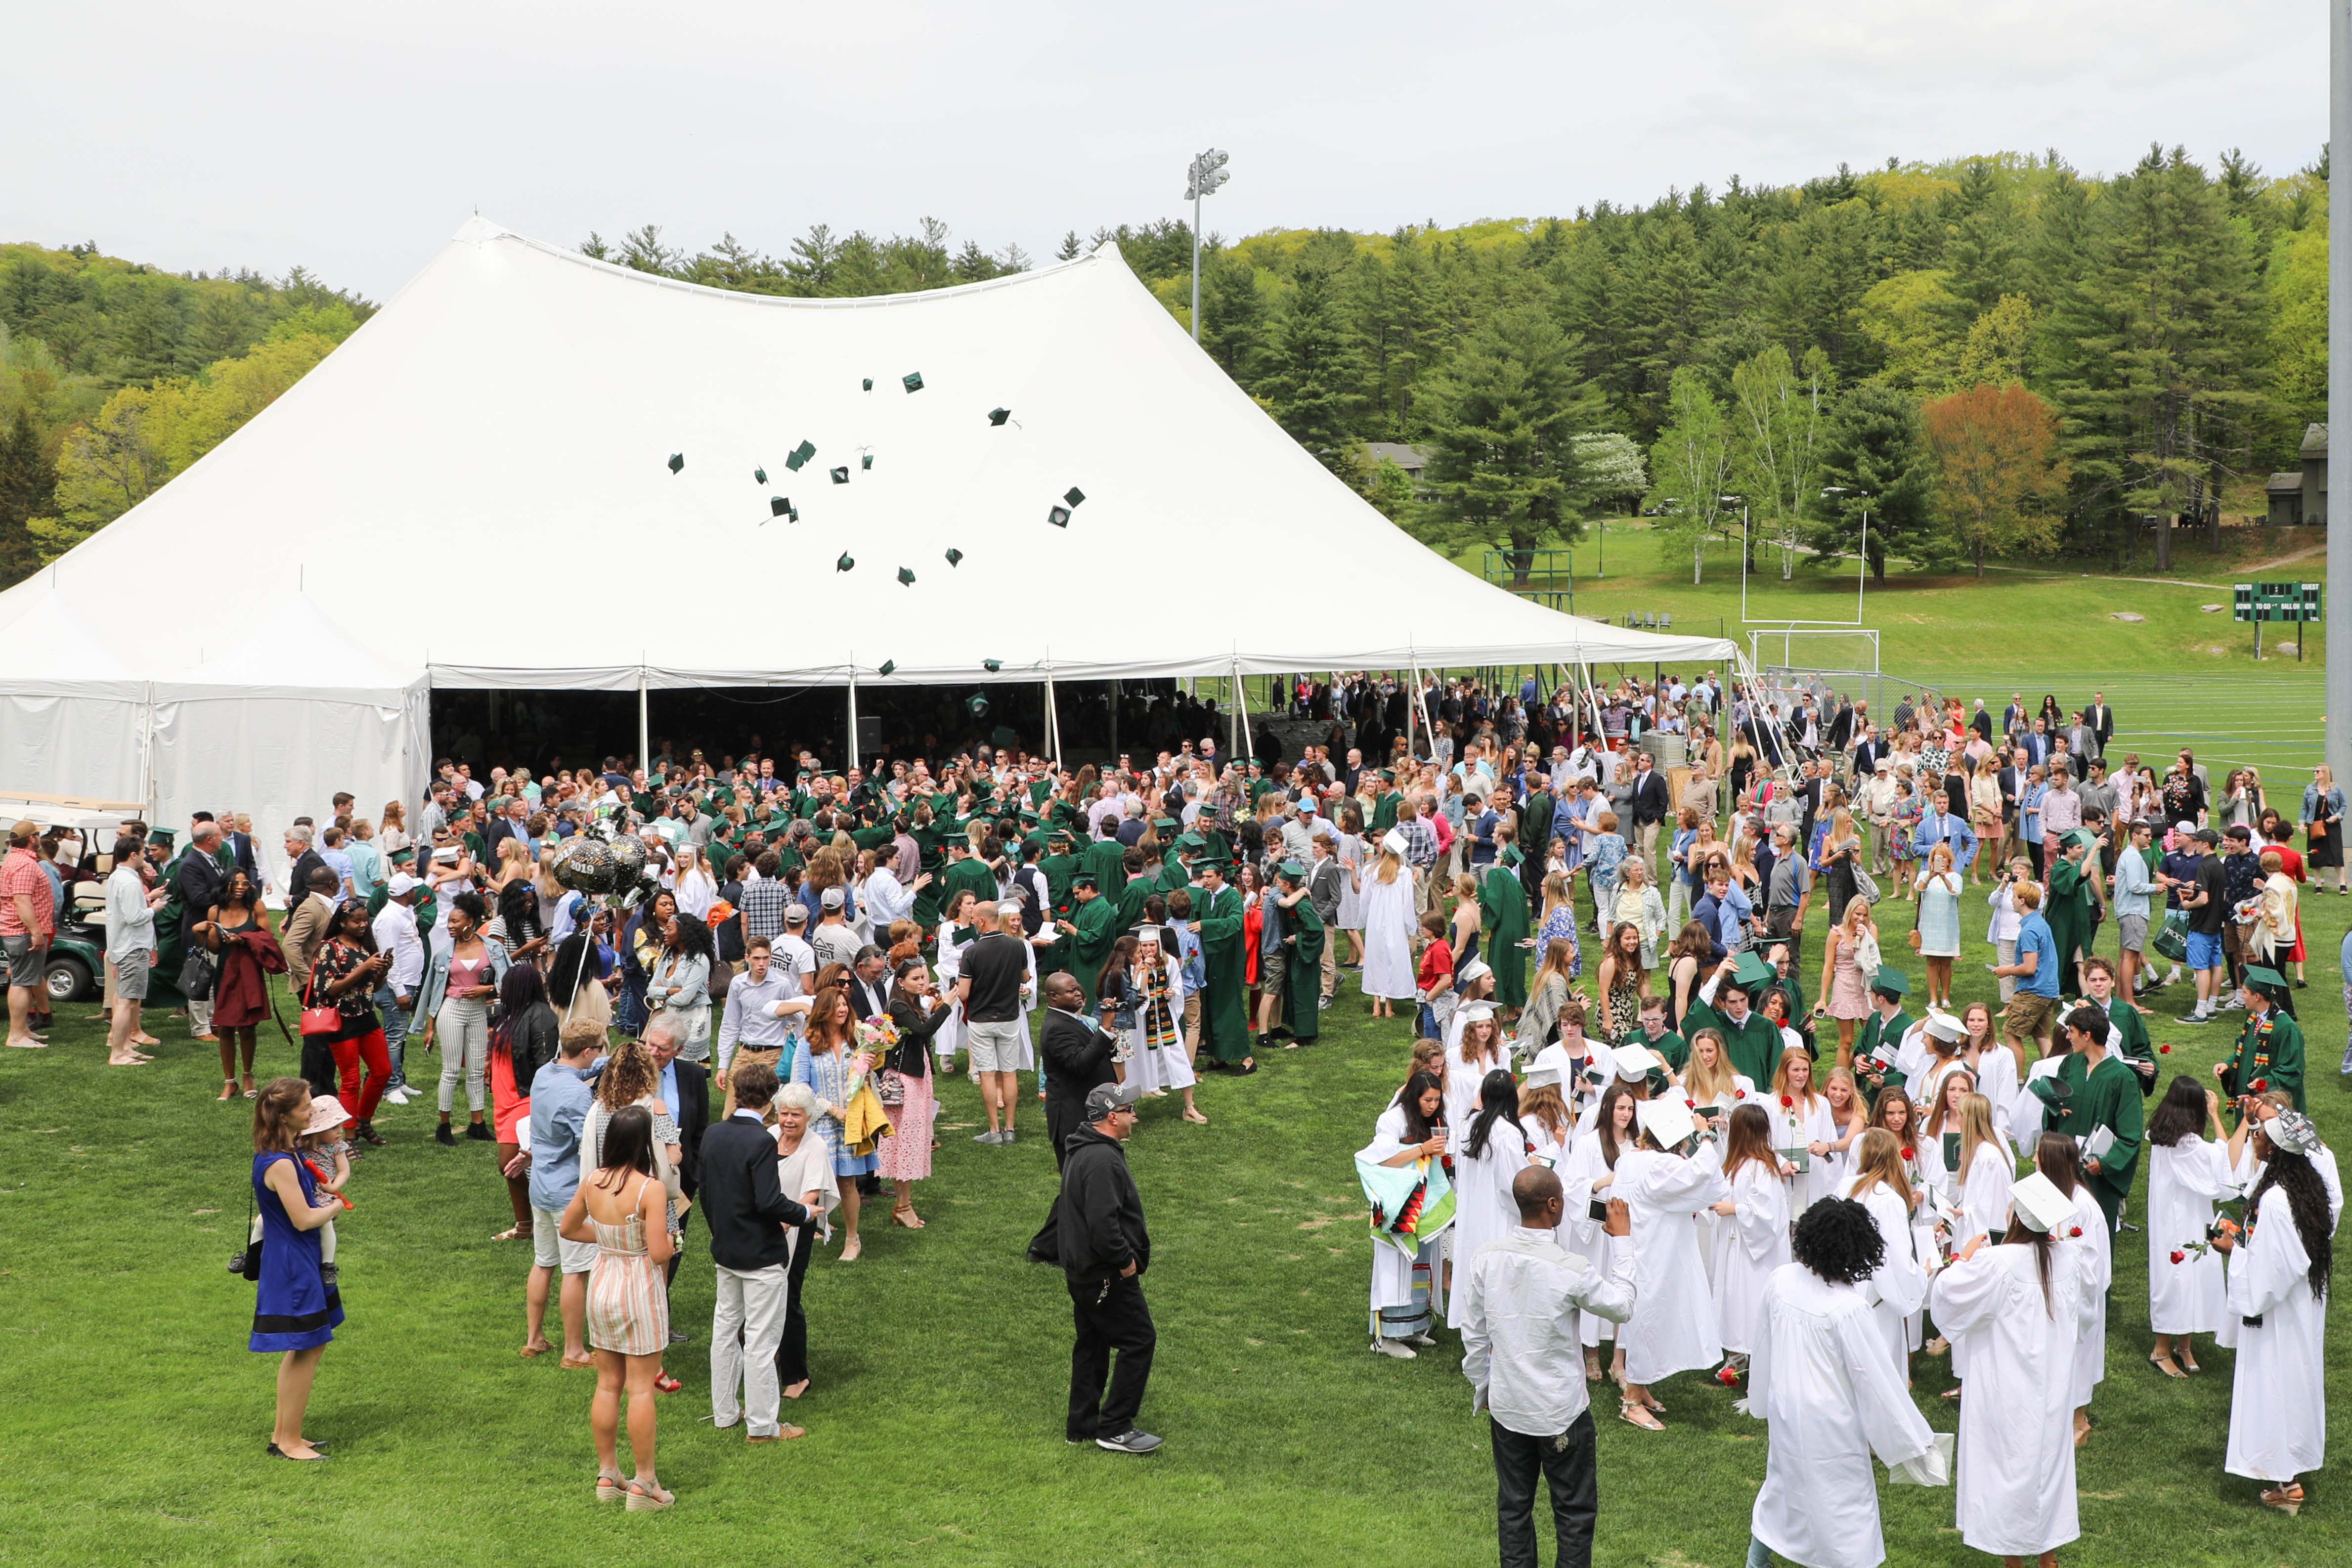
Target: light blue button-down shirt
column 559, row 1098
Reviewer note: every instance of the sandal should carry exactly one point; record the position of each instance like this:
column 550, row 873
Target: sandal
column 644, row 1497
column 1634, row 1412
column 665, row 1383
column 1195, row 1118
column 906, row 1217
column 2163, row 1363
column 2287, row 1500
column 611, row 1488
column 228, row 1091
column 514, row 1234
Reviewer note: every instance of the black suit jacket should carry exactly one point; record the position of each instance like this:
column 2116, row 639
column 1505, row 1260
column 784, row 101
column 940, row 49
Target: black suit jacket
column 2012, row 784
column 869, row 1001
column 500, row 829
column 2103, row 723
column 742, row 1198
column 692, row 1114
column 298, row 878
column 1078, row 1056
column 1651, row 801
column 241, row 845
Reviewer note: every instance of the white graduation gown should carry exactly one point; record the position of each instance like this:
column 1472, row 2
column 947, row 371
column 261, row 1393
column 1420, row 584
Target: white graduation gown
column 1171, row 1066
column 2278, row 1401
column 1899, row 1285
column 1464, row 1080
column 1672, row 1328
column 1579, row 1232
column 1392, row 1269
column 2091, row 1257
column 2184, row 1183
column 1749, row 1246
column 2017, row 1419
column 2016, row 1114
column 1984, row 1192
column 1819, row 1376
column 1482, row 1208
column 1795, row 1127
column 1388, row 937
column 2248, row 1170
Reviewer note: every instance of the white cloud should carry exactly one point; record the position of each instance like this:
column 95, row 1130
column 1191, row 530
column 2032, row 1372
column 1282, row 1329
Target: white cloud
column 281, row 134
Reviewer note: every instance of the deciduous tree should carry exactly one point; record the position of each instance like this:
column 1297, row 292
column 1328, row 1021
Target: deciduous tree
column 1998, row 473
column 1692, row 462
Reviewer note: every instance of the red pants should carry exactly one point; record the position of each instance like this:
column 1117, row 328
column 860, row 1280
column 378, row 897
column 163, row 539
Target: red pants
column 348, row 1054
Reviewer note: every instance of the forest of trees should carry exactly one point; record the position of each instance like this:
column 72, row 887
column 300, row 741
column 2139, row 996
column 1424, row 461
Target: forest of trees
column 1996, row 356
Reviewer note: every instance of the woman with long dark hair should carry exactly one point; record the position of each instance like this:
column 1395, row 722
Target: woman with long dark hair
column 621, row 1208
column 1493, row 1149
column 524, row 1040
column 1408, row 1294
column 2188, row 1289
column 463, row 978
column 2279, row 1278
column 235, row 929
column 1756, row 1242
column 681, row 983
column 2014, row 1310
column 905, row 1157
column 344, row 976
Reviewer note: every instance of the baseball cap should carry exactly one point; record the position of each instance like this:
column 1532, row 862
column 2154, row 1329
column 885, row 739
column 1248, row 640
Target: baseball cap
column 831, row 897
column 402, row 884
column 795, row 914
column 1105, row 1098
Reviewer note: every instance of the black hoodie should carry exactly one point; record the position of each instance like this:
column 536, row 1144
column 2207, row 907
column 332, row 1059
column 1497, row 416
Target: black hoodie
column 1098, row 1221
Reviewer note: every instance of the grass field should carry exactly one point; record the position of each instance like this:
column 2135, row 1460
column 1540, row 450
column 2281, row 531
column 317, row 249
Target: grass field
column 2181, row 677
column 134, row 1421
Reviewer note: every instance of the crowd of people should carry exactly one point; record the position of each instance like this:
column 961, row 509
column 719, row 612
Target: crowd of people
column 1729, row 1158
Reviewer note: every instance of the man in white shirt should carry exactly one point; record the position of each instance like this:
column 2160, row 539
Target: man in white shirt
column 793, row 958
column 395, row 997
column 130, row 907
column 1520, row 1314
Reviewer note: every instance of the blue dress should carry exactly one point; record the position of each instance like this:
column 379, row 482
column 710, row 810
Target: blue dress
column 292, row 1309
column 828, row 1076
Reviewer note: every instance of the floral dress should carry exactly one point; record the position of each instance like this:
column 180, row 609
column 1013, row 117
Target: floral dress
column 1561, row 923
column 833, row 1079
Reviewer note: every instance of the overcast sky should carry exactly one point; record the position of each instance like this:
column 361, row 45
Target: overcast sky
column 354, row 139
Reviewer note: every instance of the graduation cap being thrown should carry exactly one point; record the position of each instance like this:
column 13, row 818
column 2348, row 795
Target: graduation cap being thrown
column 889, row 666
column 870, row 384
column 1058, row 516
column 676, row 461
column 906, row 575
column 1753, row 970
column 841, row 475
column 992, row 666
column 912, row 381
column 1073, row 496
column 999, row 415
column 866, row 461
column 955, row 557
column 778, row 506
column 844, row 563
column 800, row 455
column 759, row 476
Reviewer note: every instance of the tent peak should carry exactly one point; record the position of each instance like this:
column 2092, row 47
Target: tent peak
column 476, row 229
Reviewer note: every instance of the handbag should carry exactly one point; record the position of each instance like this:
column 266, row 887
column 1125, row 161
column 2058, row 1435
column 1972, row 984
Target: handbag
column 892, row 1090
column 1915, row 938
column 245, row 1262
column 317, row 1020
column 1866, row 885
column 197, row 975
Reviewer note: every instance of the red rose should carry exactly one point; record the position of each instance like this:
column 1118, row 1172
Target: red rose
column 1785, row 1102
column 2074, row 1230
column 1739, row 1094
column 2260, row 1084
column 1910, row 1153
column 1693, row 1104
column 1729, row 1376
column 2164, row 1050
column 2179, row 1256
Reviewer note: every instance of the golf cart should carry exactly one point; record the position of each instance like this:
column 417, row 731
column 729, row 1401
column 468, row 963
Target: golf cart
column 76, row 962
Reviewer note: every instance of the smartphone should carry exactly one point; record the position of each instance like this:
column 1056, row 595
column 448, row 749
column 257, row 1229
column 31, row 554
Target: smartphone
column 1598, row 1209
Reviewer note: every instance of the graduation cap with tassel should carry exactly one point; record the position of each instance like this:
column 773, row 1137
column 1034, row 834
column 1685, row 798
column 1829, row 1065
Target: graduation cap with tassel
column 759, row 476
column 906, row 576
column 844, row 563
column 912, row 381
column 800, row 455
column 778, row 506
column 999, row 415
column 676, row 461
column 841, row 475
column 955, row 557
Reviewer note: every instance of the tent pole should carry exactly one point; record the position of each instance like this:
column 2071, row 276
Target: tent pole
column 1410, row 749
column 1053, row 724
column 849, row 748
column 1114, row 720
column 645, row 728
column 1241, row 713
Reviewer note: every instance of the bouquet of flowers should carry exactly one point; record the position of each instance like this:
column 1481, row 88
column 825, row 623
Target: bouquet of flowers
column 876, row 1038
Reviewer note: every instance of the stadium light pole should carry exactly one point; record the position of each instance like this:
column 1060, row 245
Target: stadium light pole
column 2339, row 611
column 1207, row 173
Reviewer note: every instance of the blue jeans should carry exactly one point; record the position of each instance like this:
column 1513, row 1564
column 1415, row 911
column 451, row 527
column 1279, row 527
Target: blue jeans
column 395, row 1033
column 1425, row 1023
column 1758, row 1556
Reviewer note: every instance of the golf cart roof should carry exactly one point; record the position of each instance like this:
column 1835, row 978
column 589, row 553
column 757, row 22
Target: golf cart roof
column 81, row 812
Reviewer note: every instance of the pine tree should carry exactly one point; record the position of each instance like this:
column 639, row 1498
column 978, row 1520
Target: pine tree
column 28, row 482
column 1311, row 371
column 1872, row 454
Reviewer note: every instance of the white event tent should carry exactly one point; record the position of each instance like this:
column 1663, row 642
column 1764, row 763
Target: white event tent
column 502, row 432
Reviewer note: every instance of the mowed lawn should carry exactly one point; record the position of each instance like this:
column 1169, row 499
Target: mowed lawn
column 135, row 1419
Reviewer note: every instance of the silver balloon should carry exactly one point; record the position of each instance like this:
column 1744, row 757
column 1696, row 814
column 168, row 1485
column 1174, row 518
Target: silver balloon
column 586, row 865
column 628, row 860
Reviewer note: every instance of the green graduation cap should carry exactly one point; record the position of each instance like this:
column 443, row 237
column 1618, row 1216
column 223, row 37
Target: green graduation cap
column 844, row 563
column 798, row 456
column 955, row 557
column 1753, row 970
column 991, row 664
column 906, row 575
column 1290, row 871
column 1191, row 841
column 759, row 476
column 1891, row 980
column 870, row 384
column 1086, row 880
column 841, row 475
column 2269, row 982
column 676, row 461
column 778, row 506
column 889, row 666
column 999, row 415
column 1074, row 495
column 1163, row 822
column 912, row 381
column 866, row 461
column 1058, row 516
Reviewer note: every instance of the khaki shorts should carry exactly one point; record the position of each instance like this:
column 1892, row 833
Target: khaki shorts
column 1271, row 969
column 996, row 1047
column 2028, row 1016
column 2133, row 932
column 1192, row 1021
column 131, row 975
column 550, row 1251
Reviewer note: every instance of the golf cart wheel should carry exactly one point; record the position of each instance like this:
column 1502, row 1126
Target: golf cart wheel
column 68, row 979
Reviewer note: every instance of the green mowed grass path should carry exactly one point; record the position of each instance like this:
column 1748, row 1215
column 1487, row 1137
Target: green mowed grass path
column 134, row 1418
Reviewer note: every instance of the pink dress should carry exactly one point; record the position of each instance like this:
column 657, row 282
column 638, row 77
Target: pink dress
column 1849, row 987
column 628, row 1301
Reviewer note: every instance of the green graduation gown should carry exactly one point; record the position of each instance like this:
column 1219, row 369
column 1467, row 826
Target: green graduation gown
column 1097, row 919
column 1384, row 815
column 968, row 875
column 2136, row 1047
column 1890, row 1030
column 1302, row 987
column 1130, row 901
column 1224, row 1021
column 1753, row 1048
column 2270, row 1052
column 1503, row 916
column 2104, row 1096
column 1671, row 1046
column 2069, row 914
column 1534, row 838
column 1107, row 859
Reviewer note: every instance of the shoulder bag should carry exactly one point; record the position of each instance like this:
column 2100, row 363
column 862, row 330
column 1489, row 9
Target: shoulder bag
column 316, row 1019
